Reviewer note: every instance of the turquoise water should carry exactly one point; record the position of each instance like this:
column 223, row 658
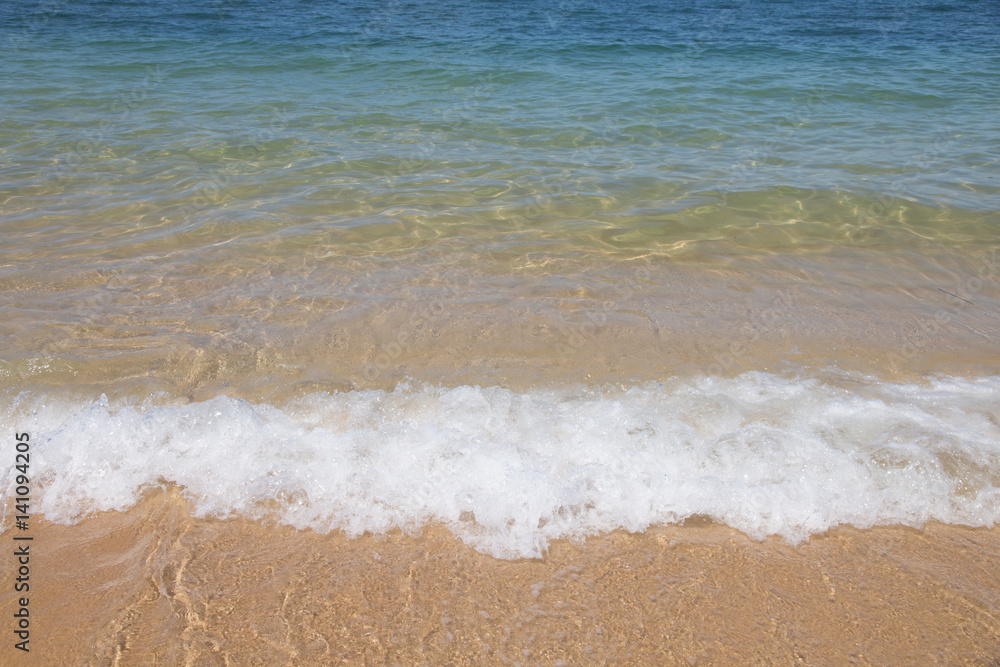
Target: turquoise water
column 227, row 216
column 176, row 115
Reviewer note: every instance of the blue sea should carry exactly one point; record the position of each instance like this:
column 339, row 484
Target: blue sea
column 529, row 270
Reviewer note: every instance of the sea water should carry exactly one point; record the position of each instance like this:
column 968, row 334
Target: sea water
column 530, row 270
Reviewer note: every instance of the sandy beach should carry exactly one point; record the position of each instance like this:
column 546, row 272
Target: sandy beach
column 154, row 586
column 566, row 332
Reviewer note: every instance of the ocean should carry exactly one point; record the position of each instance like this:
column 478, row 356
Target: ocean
column 530, row 272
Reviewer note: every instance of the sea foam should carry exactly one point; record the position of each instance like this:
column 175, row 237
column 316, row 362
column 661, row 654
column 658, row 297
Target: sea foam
column 508, row 472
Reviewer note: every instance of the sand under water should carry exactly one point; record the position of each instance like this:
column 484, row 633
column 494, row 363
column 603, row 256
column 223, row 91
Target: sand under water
column 169, row 561
column 483, row 333
column 786, row 459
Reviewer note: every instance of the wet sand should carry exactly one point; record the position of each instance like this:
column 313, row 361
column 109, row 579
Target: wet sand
column 155, row 586
column 897, row 319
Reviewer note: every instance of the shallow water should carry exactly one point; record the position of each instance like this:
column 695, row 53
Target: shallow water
column 278, row 202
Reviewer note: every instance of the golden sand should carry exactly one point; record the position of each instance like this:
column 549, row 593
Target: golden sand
column 154, row 586
column 873, row 313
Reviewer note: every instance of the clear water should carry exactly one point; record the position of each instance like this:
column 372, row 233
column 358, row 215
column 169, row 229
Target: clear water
column 273, row 199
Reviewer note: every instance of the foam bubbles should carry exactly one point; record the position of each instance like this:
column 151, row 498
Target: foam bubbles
column 508, row 472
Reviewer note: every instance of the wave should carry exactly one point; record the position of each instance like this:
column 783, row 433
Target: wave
column 508, row 472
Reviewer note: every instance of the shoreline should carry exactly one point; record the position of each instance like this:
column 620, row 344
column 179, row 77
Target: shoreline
column 154, row 585
column 454, row 326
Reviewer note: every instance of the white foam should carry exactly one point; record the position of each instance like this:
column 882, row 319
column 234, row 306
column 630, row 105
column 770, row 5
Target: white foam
column 508, row 472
